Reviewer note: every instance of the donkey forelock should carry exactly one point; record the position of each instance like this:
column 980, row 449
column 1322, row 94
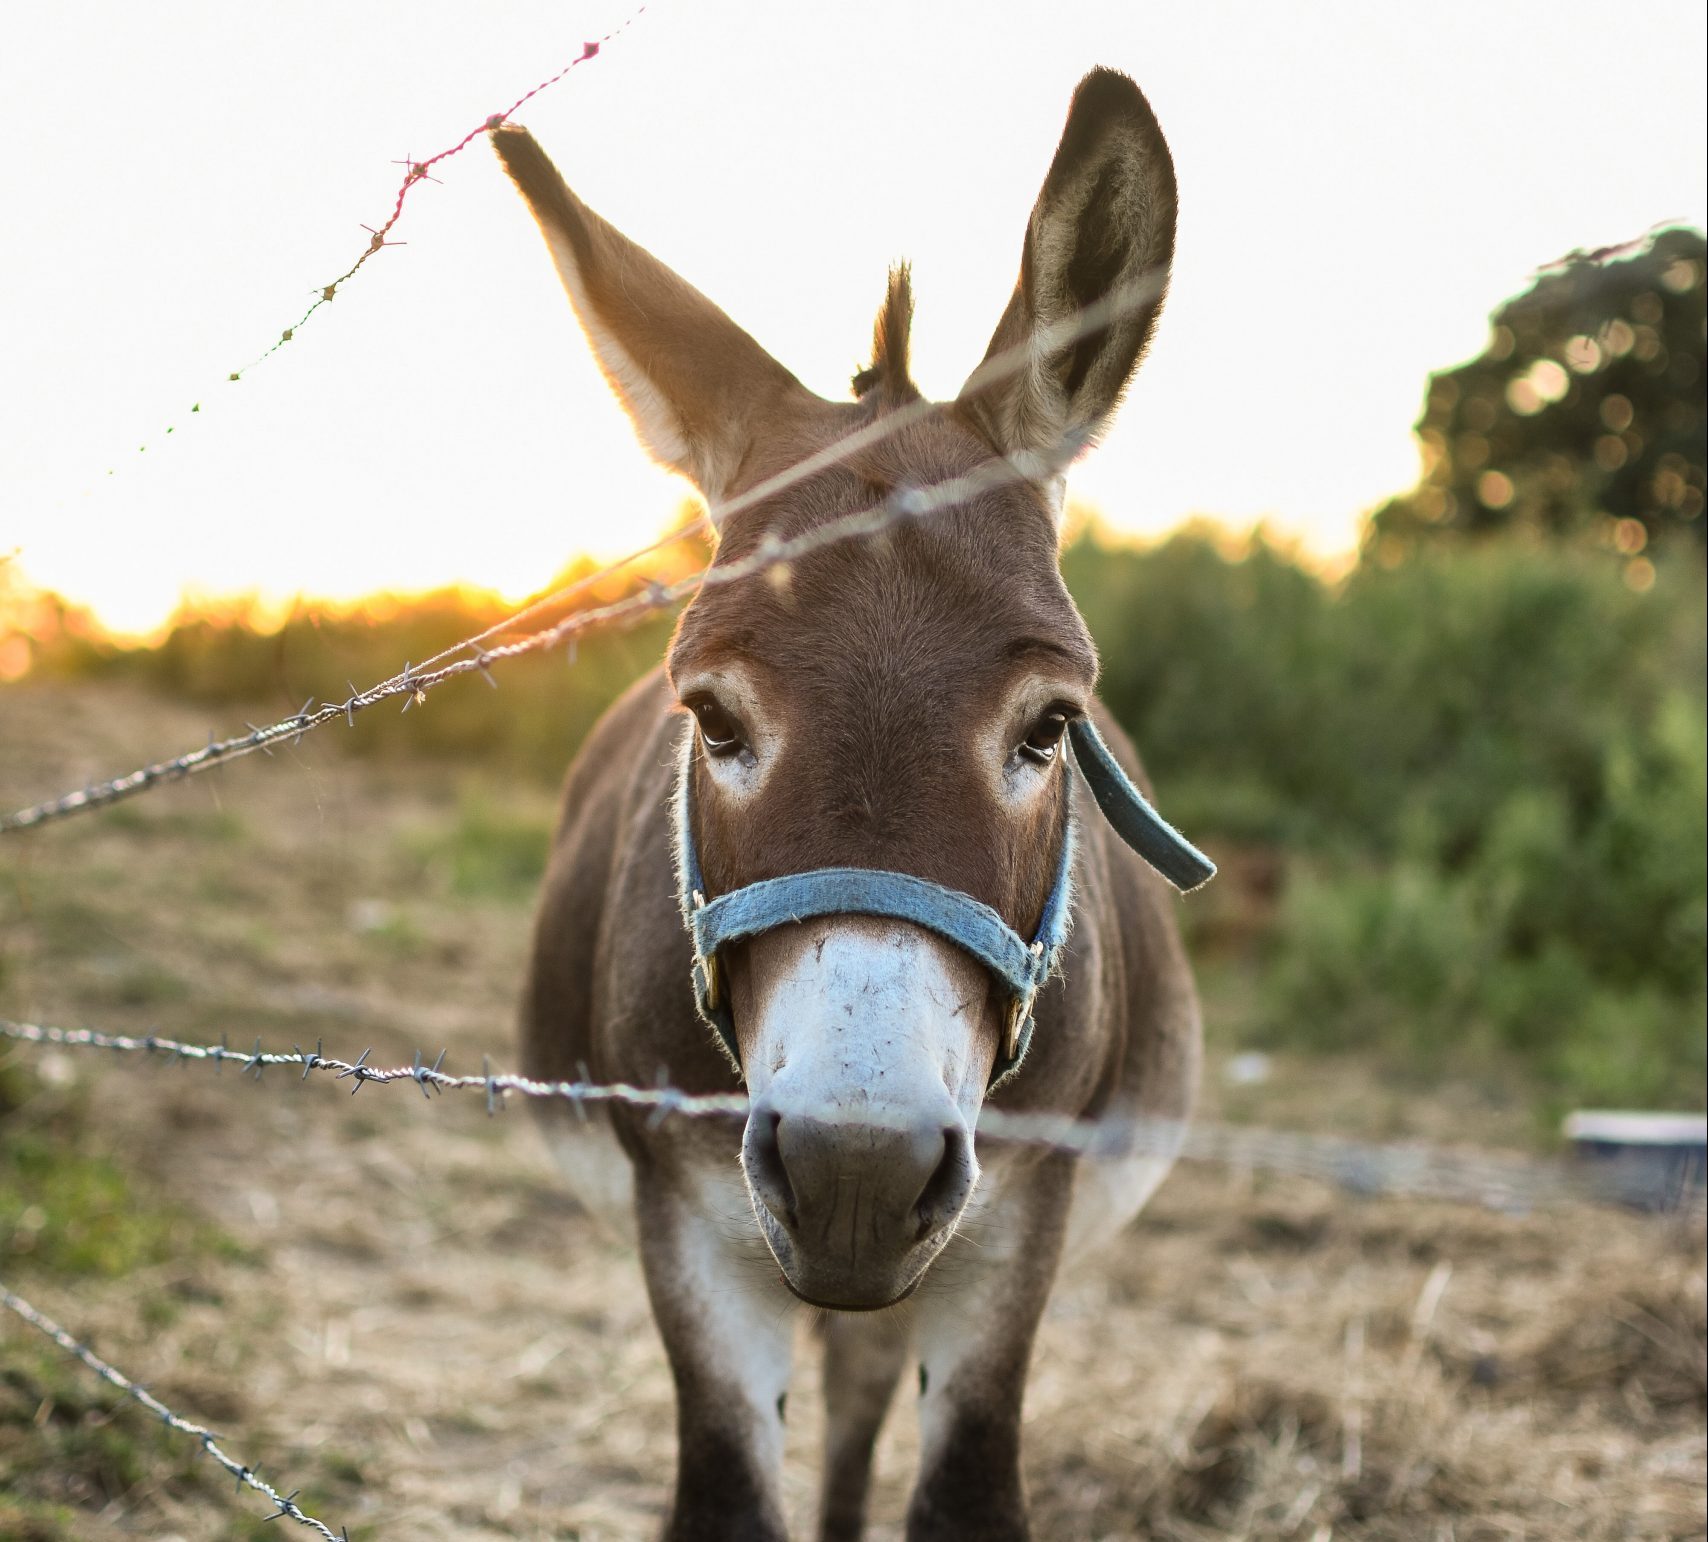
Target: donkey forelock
column 887, row 373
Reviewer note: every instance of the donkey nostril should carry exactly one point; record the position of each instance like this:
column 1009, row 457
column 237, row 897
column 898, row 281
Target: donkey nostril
column 762, row 1160
column 948, row 1188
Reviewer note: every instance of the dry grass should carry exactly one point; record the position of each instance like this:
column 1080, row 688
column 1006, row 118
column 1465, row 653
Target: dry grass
column 422, row 1329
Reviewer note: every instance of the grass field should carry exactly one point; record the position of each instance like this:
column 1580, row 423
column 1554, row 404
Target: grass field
column 394, row 1307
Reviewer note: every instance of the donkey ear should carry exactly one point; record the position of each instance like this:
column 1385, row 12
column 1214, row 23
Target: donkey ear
column 1093, row 272
column 695, row 384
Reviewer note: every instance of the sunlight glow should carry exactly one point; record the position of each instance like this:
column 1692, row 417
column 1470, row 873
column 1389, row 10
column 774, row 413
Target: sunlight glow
column 1343, row 232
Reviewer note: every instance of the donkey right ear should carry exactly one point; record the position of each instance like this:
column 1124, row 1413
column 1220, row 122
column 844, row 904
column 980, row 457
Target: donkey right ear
column 695, row 385
column 1093, row 272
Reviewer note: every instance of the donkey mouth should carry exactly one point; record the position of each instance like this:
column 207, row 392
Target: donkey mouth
column 826, row 1305
column 838, row 1282
column 855, row 1212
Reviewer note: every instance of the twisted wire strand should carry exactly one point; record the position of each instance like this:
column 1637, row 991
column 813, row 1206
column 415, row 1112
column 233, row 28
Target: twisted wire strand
column 420, row 171
column 414, row 681
column 415, row 171
column 284, row 1505
column 1510, row 1184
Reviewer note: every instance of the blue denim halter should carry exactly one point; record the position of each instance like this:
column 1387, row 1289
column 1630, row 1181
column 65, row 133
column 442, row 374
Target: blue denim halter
column 959, row 918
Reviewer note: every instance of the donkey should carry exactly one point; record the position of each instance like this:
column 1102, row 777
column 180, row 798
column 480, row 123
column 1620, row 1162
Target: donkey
column 830, row 851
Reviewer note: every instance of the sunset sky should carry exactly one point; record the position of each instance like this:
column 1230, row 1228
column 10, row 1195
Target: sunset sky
column 1360, row 185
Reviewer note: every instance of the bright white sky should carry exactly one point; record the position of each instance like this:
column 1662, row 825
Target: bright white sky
column 1360, row 185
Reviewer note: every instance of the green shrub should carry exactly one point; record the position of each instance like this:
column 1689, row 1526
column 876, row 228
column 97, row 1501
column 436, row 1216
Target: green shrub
column 1573, row 942
column 1341, row 716
column 1486, row 770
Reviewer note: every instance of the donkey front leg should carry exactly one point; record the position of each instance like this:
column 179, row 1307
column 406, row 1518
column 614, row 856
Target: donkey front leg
column 728, row 1328
column 975, row 1332
column 863, row 1358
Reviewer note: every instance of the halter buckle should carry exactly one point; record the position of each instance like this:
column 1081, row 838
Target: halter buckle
column 1011, row 1036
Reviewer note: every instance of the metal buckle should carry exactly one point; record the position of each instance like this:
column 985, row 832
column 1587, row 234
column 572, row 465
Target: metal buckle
column 1011, row 1039
column 708, row 964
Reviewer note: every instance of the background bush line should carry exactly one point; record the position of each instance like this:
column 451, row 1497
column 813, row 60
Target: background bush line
column 1461, row 798
column 1480, row 776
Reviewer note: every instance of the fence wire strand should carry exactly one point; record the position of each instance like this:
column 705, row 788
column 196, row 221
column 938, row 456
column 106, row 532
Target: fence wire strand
column 415, row 171
column 772, row 555
column 285, row 1506
column 1508, row 1184
column 421, row 171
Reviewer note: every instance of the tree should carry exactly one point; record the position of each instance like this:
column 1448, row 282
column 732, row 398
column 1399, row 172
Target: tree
column 1584, row 416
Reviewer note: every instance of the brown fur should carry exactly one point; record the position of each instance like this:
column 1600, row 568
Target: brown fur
column 887, row 656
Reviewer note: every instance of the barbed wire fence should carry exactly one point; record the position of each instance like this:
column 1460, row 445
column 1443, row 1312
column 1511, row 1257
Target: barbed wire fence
column 285, row 1506
column 416, row 171
column 1508, row 1184
column 1505, row 1184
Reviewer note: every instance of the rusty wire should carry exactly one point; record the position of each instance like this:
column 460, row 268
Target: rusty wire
column 414, row 681
column 417, row 171
column 285, row 1506
column 420, row 171
column 1505, row 1183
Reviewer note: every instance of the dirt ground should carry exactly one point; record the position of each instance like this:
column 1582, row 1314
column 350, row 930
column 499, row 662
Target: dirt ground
column 419, row 1328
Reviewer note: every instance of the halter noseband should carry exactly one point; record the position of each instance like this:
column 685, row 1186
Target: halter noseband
column 958, row 918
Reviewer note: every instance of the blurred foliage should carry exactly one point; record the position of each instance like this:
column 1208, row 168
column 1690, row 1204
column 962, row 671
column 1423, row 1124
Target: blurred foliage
column 1583, row 417
column 236, row 658
column 1484, row 774
column 69, row 1209
column 490, row 849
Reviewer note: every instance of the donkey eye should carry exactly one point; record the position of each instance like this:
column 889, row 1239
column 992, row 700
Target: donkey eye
column 719, row 732
column 1046, row 736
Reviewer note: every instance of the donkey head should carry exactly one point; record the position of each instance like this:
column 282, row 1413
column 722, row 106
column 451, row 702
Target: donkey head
column 895, row 704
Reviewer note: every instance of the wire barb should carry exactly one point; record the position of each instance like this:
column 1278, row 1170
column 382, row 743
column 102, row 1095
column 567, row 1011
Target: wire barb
column 414, row 171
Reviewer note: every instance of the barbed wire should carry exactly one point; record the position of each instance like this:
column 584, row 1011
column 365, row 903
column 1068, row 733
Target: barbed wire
column 285, row 1506
column 416, row 171
column 1509, row 1184
column 419, row 171
column 414, row 681
column 429, row 1077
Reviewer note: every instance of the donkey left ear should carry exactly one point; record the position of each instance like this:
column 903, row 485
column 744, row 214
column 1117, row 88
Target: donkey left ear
column 696, row 386
column 1093, row 272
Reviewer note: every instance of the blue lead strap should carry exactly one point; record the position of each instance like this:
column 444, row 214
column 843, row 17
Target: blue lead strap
column 958, row 918
column 1135, row 821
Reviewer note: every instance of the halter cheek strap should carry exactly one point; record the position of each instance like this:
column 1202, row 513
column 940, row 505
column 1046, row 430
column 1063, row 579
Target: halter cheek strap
column 1022, row 966
column 1134, row 820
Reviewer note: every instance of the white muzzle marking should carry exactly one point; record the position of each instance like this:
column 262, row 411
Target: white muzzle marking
column 853, row 1016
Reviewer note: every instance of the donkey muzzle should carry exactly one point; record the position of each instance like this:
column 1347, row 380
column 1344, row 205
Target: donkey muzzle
column 855, row 1210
